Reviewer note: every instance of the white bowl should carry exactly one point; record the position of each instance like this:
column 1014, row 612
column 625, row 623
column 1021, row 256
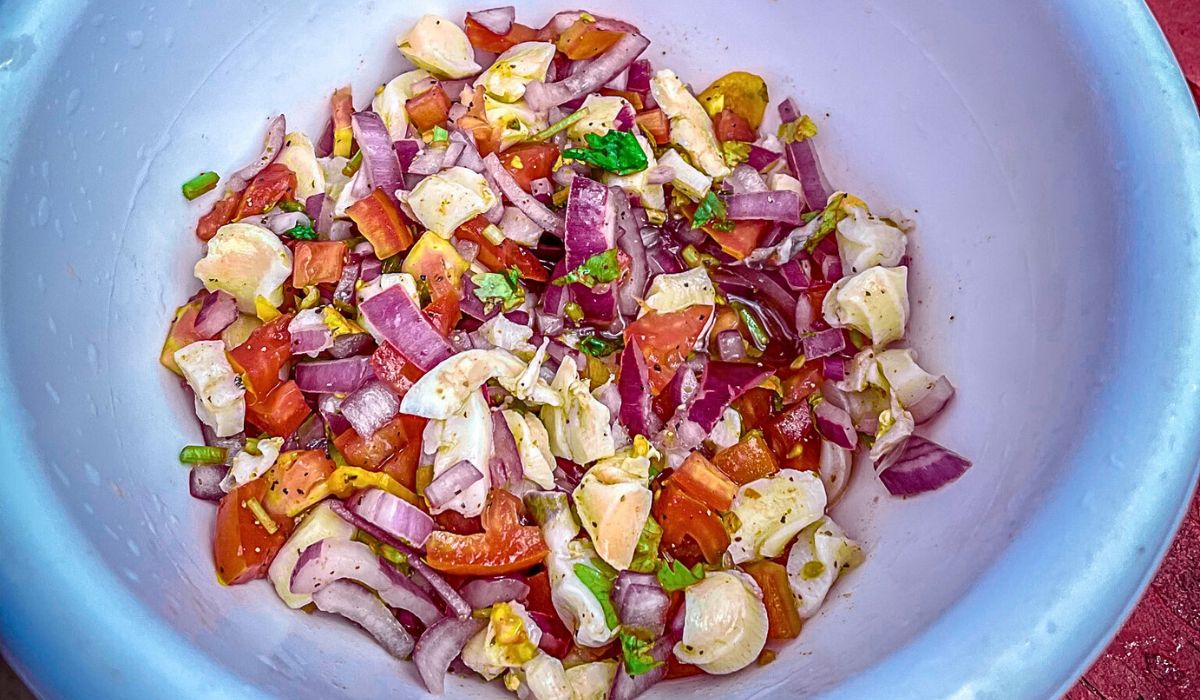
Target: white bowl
column 1049, row 152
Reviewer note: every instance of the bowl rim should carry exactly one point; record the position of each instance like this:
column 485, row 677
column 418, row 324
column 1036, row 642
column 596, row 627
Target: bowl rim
column 1036, row 649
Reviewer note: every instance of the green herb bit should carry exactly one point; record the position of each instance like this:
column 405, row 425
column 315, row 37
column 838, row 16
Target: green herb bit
column 758, row 332
column 202, row 454
column 600, row 347
column 261, row 515
column 711, row 210
column 674, row 576
column 830, row 216
column 799, row 130
column 573, row 311
column 301, row 232
column 636, row 653
column 500, row 287
column 601, row 586
column 204, row 182
column 354, row 164
column 617, row 152
column 440, row 134
column 598, row 269
column 735, row 152
column 645, row 555
column 291, row 206
column 560, row 125
column 393, row 264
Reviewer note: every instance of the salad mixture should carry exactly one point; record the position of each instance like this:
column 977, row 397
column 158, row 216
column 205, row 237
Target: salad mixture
column 542, row 365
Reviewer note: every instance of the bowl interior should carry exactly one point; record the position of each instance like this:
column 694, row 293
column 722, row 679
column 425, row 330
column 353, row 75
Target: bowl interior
column 1000, row 155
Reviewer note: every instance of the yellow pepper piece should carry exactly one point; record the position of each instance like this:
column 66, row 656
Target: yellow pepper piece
column 344, row 481
column 339, row 324
column 431, row 252
column 743, row 93
column 265, row 310
column 510, row 633
column 341, row 141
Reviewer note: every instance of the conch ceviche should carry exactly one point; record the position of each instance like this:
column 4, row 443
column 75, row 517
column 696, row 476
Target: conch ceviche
column 541, row 363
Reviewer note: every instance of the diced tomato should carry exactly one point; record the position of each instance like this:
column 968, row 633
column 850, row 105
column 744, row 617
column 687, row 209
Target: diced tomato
column 783, row 619
column 732, row 127
column 742, row 239
column 755, row 407
column 678, row 669
column 633, row 98
column 794, row 439
column 292, row 477
column 799, row 384
column 748, row 460
column 402, row 466
column 182, row 333
column 501, row 257
column 429, row 109
column 373, row 452
column 316, row 262
column 816, row 297
column 487, row 137
column 434, row 262
column 583, row 40
column 444, row 312
column 260, row 359
column 482, row 38
column 540, row 598
column 379, row 220
column 655, row 123
column 393, row 369
column 702, row 480
column 667, row 339
column 242, row 547
column 684, row 517
column 281, row 411
column 342, row 106
column 458, row 523
column 529, row 161
column 220, row 214
column 273, row 185
column 505, row 546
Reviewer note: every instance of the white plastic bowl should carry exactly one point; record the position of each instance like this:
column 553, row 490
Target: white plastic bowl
column 1050, row 153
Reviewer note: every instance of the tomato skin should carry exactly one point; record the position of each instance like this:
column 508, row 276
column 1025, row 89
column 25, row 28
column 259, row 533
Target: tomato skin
column 181, row 334
column 501, row 257
column 684, row 517
column 536, row 159
column 702, row 480
column 458, row 523
column 505, row 545
column 292, row 477
column 793, row 437
column 743, row 238
column 274, row 184
column 732, row 127
column 429, row 109
column 317, row 262
column 678, row 669
column 667, row 339
column 393, row 369
column 584, row 40
column 444, row 312
column 747, row 460
column 783, row 619
column 482, row 38
column 379, row 220
column 799, row 384
column 373, row 452
column 402, row 466
column 655, row 122
column 281, row 411
column 260, row 359
column 220, row 214
column 242, row 548
column 755, row 407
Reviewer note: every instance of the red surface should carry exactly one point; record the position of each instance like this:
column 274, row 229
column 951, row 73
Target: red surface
column 1157, row 653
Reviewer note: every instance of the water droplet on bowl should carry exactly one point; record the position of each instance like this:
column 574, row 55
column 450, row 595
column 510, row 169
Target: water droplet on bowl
column 73, row 99
column 93, row 474
column 135, row 37
column 43, row 211
column 52, row 393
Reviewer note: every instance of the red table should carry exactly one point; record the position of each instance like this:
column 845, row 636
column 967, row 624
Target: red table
column 1157, row 654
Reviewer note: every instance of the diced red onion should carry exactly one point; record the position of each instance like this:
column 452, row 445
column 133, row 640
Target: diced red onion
column 370, row 408
column 397, row 516
column 625, row 118
column 789, row 111
column 312, row 205
column 590, row 229
column 324, row 145
column 472, row 306
column 350, row 344
column 283, row 221
column 272, row 145
column 759, row 284
column 484, row 593
column 204, row 481
column 429, row 161
column 834, row 367
column 556, row 639
column 330, row 406
column 498, row 20
column 554, row 301
column 802, row 159
column 439, row 645
column 918, row 465
column 469, row 158
column 830, row 263
column 731, row 346
column 309, row 436
column 660, row 175
column 370, row 268
column 745, row 180
column 637, row 405
column 638, row 79
column 836, row 425
column 505, row 462
column 663, row 260
column 932, row 403
column 469, row 250
column 217, row 311
column 340, row 229
column 629, row 241
column 447, row 593
column 398, row 320
column 346, row 287
column 823, row 343
column 563, row 176
column 360, row 606
column 627, row 687
column 520, row 228
column 541, row 186
column 797, row 274
column 406, row 151
column 761, row 158
column 334, row 376
column 331, row 560
column 780, row 205
column 451, row 483
column 641, row 603
column 723, row 383
column 527, row 203
column 309, row 334
column 541, row 96
column 454, row 149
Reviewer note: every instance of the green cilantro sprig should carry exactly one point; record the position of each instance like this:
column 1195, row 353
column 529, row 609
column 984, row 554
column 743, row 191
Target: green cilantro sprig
column 617, row 152
column 502, row 288
column 711, row 211
column 674, row 576
column 598, row 269
column 636, row 653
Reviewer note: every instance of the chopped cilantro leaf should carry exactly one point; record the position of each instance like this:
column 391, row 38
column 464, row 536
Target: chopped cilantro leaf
column 598, row 269
column 636, row 653
column 503, row 288
column 711, row 212
column 601, row 586
column 600, row 347
column 301, row 233
column 617, row 152
column 674, row 576
column 645, row 555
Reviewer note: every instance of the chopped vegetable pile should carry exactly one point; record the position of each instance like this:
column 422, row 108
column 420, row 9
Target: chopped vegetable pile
column 539, row 359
